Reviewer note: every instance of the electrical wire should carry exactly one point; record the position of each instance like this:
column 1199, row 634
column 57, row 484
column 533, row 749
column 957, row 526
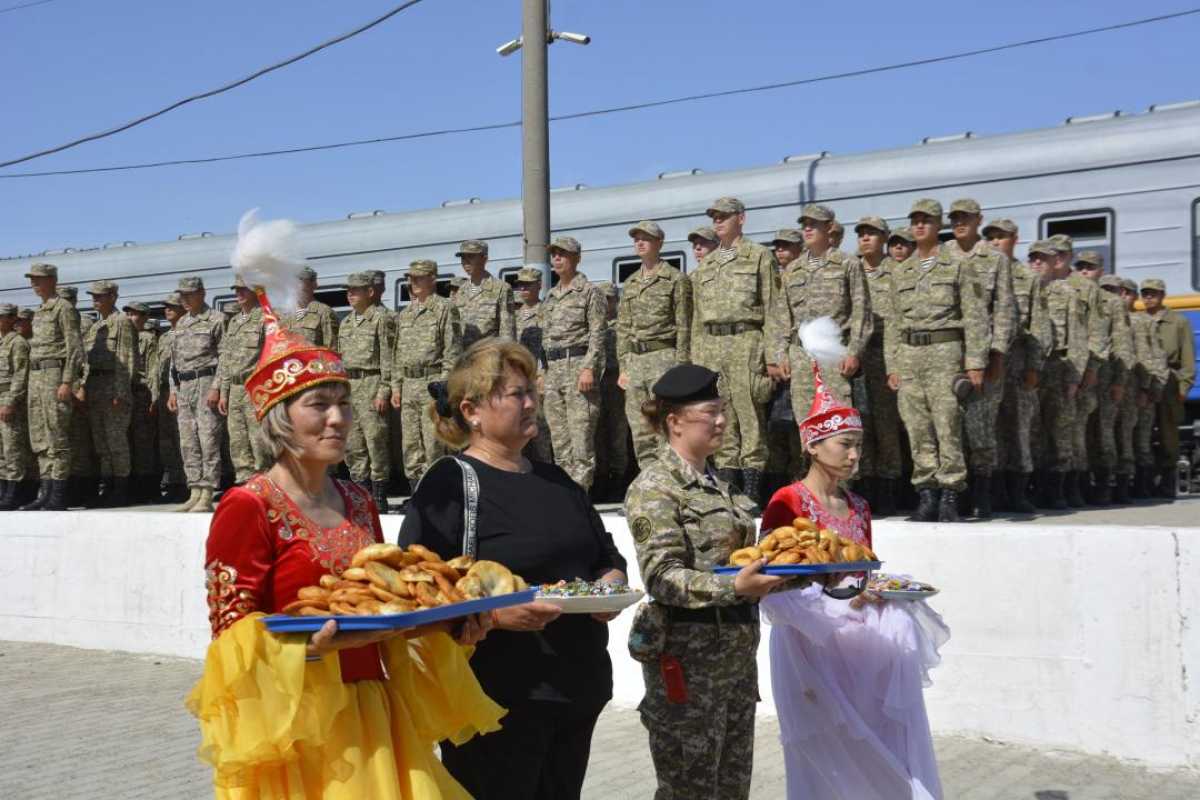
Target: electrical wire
column 613, row 109
column 20, row 6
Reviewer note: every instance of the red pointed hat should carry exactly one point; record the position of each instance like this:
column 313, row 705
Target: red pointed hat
column 288, row 364
column 827, row 417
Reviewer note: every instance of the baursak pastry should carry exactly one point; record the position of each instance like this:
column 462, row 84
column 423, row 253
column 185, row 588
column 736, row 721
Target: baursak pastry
column 802, row 542
column 747, row 555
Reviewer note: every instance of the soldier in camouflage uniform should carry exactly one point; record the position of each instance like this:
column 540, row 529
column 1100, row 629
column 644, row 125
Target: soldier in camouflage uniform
column 704, row 241
column 241, row 346
column 785, row 457
column 395, row 424
column 484, row 302
column 837, row 233
column 142, row 425
column 83, row 486
column 529, row 333
column 940, row 330
column 1174, row 334
column 1152, row 374
column 1023, row 367
column 993, row 271
column 110, row 363
column 428, row 342
column 24, row 325
column 701, row 630
column 195, row 399
column 313, row 320
column 574, row 316
column 14, row 383
column 612, row 429
column 733, row 292
column 456, row 283
column 55, row 364
column 1124, row 413
column 653, row 331
column 366, row 342
column 162, row 382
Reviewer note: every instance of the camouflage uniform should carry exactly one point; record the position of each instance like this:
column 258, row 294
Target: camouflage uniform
column 882, row 453
column 194, row 356
column 940, row 329
column 142, row 426
column 1102, row 444
column 1033, row 340
column 110, row 349
column 14, row 382
column 55, row 358
column 612, row 428
column 487, row 308
column 829, row 285
column 1153, row 376
column 366, row 342
column 1177, row 342
column 316, row 322
column 241, row 346
column 573, row 320
column 1099, row 348
column 529, row 334
column 683, row 525
column 428, row 342
column 83, row 450
column 654, row 322
column 1065, row 363
column 162, row 382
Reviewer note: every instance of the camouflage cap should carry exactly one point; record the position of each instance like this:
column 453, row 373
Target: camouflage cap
column 174, row 299
column 307, row 274
column 8, row 310
column 1043, row 247
column 878, row 223
column 529, row 275
column 903, row 233
column 965, row 205
column 378, row 277
column 67, row 292
column 1090, row 258
column 789, row 235
column 457, row 282
column 472, row 247
column 926, row 205
column 1064, row 243
column 1129, row 285
column 25, row 313
column 238, row 283
column 1110, row 280
column 422, row 267
column 567, row 244
column 101, row 287
column 42, row 270
column 1005, row 226
column 192, row 283
column 818, row 212
column 1154, row 285
column 607, row 288
column 703, row 232
column 136, row 306
column 726, row 205
column 648, row 227
column 357, row 280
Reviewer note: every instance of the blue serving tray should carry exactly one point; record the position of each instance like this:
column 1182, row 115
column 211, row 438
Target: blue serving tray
column 284, row 623
column 807, row 569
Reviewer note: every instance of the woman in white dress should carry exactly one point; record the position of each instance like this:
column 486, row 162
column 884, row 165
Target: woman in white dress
column 848, row 675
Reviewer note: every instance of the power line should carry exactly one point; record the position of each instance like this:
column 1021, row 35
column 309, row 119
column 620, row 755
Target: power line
column 219, row 90
column 25, row 5
column 615, row 109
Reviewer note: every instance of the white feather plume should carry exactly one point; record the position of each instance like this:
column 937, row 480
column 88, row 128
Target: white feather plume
column 267, row 255
column 821, row 338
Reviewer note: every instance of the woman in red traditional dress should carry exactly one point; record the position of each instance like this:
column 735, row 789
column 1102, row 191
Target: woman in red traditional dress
column 334, row 715
column 847, row 676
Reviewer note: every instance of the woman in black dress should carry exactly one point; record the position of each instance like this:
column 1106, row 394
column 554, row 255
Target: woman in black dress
column 551, row 672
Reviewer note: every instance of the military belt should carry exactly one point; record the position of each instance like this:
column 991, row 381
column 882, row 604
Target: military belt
column 557, row 353
column 714, row 615
column 651, row 347
column 47, row 363
column 923, row 338
column 419, row 372
column 355, row 373
column 193, row 374
column 730, row 328
column 99, row 371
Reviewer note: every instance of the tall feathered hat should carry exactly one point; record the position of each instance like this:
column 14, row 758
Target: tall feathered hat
column 822, row 340
column 266, row 258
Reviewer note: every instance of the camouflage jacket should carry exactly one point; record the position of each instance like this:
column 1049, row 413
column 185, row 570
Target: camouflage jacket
column 945, row 296
column 365, row 342
column 529, row 331
column 14, row 369
column 161, row 383
column 56, row 336
column 732, row 289
column 656, row 307
column 428, row 340
column 198, row 341
column 1151, row 369
column 683, row 525
column 832, row 285
column 111, row 345
column 147, row 343
column 993, row 270
column 1120, row 336
column 1069, row 327
column 1175, row 338
column 240, row 348
column 879, row 295
column 316, row 322
column 1034, row 334
column 575, row 315
column 486, row 310
column 1099, row 338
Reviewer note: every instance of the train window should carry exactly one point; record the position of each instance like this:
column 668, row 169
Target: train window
column 624, row 266
column 402, row 294
column 224, row 302
column 157, row 310
column 335, row 298
column 1089, row 230
column 945, row 235
column 1196, row 243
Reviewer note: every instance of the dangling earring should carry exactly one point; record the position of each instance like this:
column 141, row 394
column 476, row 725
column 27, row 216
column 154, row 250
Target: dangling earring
column 475, row 424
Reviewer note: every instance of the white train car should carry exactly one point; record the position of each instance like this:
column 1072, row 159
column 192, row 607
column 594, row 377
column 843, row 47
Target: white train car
column 1128, row 185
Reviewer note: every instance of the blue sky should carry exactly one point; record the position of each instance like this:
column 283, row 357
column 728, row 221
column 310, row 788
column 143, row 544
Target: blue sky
column 74, row 66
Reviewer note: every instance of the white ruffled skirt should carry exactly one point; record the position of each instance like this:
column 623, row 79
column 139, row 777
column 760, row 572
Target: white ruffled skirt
column 848, row 688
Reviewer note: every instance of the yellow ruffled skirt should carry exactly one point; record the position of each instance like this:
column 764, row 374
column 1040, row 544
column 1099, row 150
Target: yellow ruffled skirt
column 276, row 726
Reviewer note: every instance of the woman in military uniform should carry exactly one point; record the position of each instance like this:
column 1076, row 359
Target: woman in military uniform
column 697, row 640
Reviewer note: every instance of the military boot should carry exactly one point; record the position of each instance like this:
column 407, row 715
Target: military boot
column 1101, row 492
column 752, row 481
column 731, row 476
column 1120, row 495
column 1018, row 483
column 1000, row 497
column 885, row 498
column 38, row 502
column 56, row 499
column 380, row 496
column 1137, row 489
column 1168, row 484
column 1072, row 491
column 8, row 494
column 927, row 507
column 204, row 502
column 176, row 493
column 193, row 496
column 1055, row 486
column 948, row 507
column 118, row 493
column 981, row 495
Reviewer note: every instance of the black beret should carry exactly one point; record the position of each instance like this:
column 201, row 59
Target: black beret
column 687, row 383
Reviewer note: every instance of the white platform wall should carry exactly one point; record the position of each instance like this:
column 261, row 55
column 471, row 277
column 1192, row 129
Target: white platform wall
column 1083, row 638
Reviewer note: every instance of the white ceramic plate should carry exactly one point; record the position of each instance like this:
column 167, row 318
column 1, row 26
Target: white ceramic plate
column 900, row 594
column 601, row 604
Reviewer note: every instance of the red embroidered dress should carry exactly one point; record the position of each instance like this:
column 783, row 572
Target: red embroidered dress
column 797, row 501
